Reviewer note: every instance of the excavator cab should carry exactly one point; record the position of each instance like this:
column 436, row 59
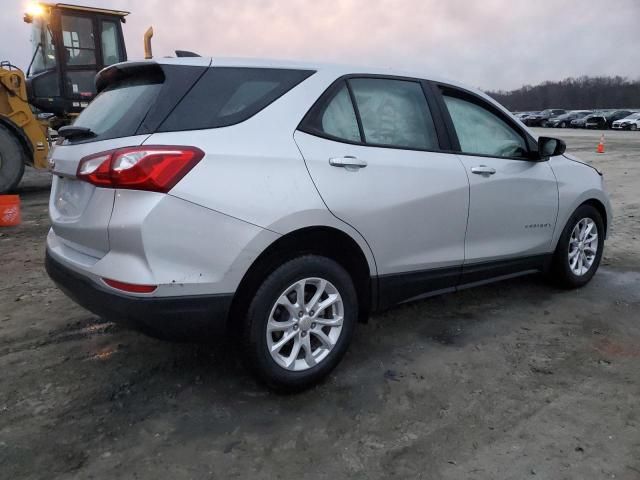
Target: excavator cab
column 70, row 45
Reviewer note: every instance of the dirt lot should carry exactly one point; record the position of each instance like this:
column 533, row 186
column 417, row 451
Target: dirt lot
column 510, row 381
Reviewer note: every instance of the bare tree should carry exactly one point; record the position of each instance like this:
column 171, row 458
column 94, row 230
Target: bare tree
column 573, row 93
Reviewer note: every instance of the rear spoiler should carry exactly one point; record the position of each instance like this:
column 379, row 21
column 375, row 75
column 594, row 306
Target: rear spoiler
column 151, row 71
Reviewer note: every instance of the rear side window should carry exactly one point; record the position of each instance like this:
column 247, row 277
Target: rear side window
column 227, row 95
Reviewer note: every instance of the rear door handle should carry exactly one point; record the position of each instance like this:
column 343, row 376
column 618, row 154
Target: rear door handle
column 483, row 170
column 349, row 162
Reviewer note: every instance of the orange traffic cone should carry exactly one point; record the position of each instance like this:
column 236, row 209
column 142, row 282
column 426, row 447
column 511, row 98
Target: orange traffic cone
column 9, row 210
column 600, row 148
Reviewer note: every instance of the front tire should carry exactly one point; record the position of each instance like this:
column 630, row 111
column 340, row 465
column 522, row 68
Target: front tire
column 300, row 322
column 12, row 160
column 633, row 127
column 579, row 249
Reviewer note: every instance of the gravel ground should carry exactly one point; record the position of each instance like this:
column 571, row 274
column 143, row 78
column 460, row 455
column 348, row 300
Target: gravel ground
column 508, row 381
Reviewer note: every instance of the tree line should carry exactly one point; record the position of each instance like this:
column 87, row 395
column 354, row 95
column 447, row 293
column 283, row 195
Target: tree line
column 573, row 94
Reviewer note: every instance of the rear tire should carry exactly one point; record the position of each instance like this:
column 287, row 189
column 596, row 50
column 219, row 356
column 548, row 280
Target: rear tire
column 12, row 160
column 579, row 248
column 318, row 337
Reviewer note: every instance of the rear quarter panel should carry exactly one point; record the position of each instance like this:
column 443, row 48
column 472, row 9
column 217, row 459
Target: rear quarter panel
column 253, row 171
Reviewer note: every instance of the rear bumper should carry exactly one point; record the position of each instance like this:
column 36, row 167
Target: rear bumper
column 197, row 317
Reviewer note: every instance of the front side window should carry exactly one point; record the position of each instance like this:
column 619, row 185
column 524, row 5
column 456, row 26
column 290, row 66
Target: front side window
column 394, row 113
column 482, row 132
column 77, row 39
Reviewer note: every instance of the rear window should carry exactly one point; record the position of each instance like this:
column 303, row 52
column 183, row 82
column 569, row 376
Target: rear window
column 227, row 95
column 120, row 108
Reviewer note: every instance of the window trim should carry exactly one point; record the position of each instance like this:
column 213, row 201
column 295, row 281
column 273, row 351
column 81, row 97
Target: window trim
column 444, row 144
column 356, row 109
column 471, row 97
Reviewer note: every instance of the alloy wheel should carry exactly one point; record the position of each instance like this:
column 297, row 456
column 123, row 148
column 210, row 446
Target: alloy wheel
column 583, row 246
column 305, row 324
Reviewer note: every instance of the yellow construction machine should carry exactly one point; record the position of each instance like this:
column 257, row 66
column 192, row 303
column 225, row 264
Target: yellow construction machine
column 70, row 45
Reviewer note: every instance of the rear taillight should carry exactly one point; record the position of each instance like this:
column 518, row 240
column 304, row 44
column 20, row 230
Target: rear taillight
column 152, row 168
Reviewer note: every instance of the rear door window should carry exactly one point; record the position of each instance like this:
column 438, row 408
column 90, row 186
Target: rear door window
column 334, row 116
column 379, row 112
column 394, row 113
column 227, row 95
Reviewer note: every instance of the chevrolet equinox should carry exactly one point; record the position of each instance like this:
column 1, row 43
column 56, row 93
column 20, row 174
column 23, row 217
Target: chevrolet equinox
column 286, row 201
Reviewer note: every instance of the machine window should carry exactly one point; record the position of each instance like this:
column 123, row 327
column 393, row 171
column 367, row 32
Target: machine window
column 78, row 41
column 110, row 48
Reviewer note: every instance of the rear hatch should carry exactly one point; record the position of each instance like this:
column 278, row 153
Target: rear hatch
column 134, row 98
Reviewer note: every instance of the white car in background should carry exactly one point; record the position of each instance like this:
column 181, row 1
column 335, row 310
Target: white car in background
column 632, row 122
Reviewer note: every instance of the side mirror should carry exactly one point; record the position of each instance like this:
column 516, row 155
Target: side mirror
column 550, row 147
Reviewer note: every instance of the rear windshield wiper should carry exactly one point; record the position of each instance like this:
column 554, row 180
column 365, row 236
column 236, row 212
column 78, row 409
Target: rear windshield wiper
column 71, row 132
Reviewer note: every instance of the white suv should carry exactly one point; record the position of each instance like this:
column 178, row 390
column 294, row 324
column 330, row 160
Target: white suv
column 287, row 201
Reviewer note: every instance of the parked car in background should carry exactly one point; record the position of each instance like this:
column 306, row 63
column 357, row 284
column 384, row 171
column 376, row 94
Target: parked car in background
column 631, row 122
column 581, row 121
column 564, row 120
column 275, row 204
column 522, row 115
column 541, row 118
column 525, row 115
column 605, row 120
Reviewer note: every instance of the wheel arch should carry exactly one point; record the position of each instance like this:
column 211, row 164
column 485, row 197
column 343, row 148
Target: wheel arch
column 320, row 240
column 602, row 210
column 592, row 200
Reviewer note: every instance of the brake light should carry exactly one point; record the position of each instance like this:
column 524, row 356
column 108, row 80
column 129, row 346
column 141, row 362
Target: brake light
column 129, row 287
column 152, row 168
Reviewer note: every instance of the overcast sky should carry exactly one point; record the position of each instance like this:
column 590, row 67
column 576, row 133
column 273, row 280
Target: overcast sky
column 491, row 44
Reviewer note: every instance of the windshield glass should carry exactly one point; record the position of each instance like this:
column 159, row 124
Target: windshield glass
column 633, row 116
column 44, row 56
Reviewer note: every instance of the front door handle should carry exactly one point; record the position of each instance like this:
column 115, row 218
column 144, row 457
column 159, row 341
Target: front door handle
column 483, row 170
column 349, row 162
